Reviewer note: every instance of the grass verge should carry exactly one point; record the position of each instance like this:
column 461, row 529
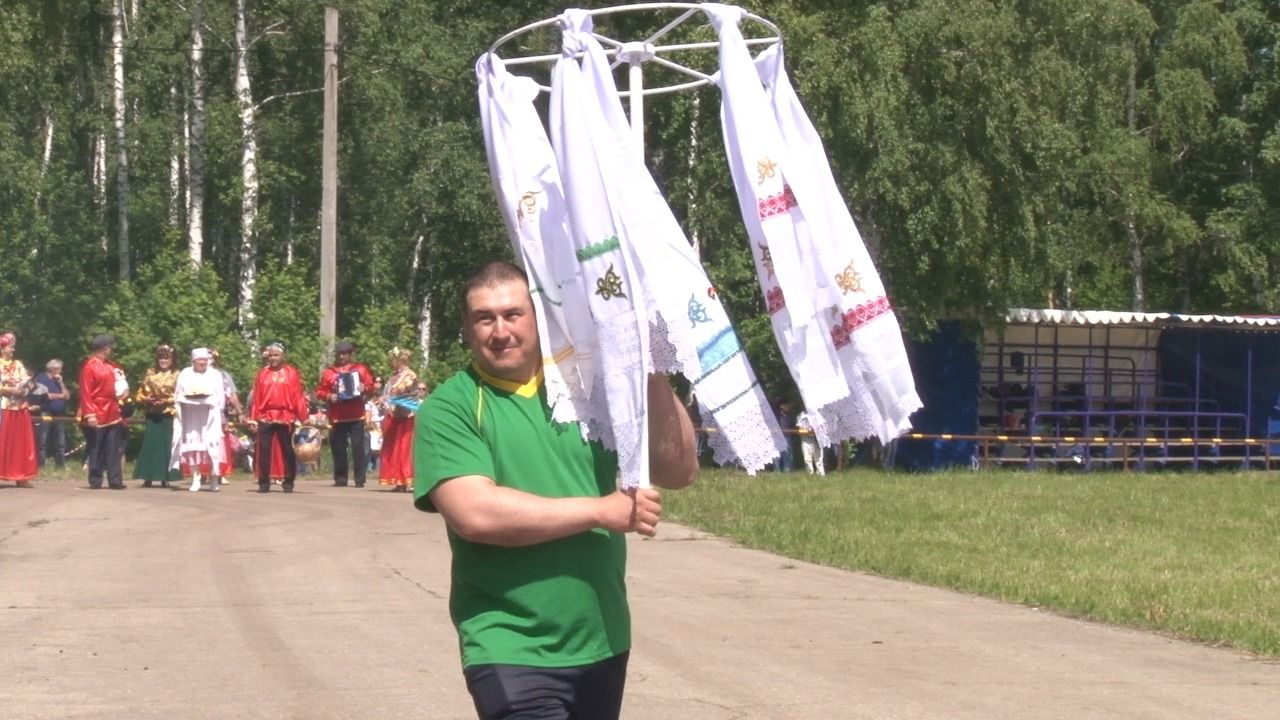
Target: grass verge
column 1193, row 554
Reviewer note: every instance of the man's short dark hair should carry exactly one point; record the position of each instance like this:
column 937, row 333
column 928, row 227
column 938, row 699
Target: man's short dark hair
column 492, row 274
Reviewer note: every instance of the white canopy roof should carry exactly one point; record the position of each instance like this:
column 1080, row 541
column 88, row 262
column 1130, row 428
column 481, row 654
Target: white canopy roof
column 1115, row 317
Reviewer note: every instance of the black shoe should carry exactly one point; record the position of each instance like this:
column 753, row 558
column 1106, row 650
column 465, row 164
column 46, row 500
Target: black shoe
column 288, row 487
column 359, row 484
column 339, row 484
column 146, row 483
column 264, row 487
column 95, row 487
column 117, row 487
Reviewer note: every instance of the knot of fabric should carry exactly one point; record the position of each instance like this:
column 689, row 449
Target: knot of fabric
column 576, row 25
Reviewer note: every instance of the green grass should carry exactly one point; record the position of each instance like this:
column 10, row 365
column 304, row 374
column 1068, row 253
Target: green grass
column 1190, row 554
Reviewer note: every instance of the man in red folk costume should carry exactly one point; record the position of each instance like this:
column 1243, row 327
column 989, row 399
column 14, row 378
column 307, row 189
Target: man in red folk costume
column 102, row 387
column 344, row 386
column 17, row 435
column 279, row 404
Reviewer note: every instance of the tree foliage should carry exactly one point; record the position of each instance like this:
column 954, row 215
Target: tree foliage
column 1109, row 154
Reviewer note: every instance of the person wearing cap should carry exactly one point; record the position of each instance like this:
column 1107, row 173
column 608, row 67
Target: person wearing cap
column 17, row 435
column 199, row 443
column 279, row 403
column 100, row 418
column 48, row 404
column 344, row 386
column 155, row 397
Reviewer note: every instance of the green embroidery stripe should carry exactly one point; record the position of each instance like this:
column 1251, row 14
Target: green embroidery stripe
column 594, row 251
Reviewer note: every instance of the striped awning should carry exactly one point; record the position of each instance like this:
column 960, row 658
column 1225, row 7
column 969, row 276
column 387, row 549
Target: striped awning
column 1118, row 317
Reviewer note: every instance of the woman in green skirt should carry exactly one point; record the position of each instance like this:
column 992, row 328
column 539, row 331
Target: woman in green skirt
column 155, row 397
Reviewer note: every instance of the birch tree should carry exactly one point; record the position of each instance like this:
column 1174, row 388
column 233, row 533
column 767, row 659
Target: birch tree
column 248, row 255
column 195, row 148
column 122, row 146
column 177, row 158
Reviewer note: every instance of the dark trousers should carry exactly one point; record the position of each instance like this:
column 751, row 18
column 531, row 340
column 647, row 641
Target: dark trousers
column 267, row 432
column 342, row 435
column 519, row 692
column 51, row 441
column 104, row 452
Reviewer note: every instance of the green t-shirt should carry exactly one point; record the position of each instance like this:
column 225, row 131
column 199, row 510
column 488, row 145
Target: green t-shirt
column 556, row 604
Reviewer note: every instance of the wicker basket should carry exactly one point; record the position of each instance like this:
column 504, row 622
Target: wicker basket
column 307, row 448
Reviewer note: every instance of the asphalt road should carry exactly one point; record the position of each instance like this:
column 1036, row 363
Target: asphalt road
column 331, row 603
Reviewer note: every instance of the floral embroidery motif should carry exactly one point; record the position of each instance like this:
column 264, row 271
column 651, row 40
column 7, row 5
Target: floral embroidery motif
column 849, row 280
column 610, row 286
column 697, row 312
column 842, row 332
column 778, row 204
column 765, row 168
column 774, row 299
column 528, row 205
column 766, row 258
column 603, row 247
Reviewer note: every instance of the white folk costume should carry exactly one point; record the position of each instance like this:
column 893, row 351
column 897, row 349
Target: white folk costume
column 199, row 447
column 830, row 315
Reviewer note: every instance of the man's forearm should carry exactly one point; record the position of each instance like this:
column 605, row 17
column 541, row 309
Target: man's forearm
column 513, row 518
column 673, row 458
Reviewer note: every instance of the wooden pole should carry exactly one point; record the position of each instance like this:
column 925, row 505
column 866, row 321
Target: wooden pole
column 329, row 186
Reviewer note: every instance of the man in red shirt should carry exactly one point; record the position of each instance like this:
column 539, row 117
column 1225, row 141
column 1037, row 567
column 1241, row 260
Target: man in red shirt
column 344, row 387
column 100, row 419
column 279, row 403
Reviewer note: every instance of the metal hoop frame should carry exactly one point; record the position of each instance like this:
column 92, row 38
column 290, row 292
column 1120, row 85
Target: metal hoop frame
column 638, row 52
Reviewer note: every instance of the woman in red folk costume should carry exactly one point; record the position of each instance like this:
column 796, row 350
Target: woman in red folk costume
column 279, row 403
column 399, row 403
column 17, row 434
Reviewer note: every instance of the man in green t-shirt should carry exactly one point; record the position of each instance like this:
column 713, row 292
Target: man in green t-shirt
column 535, row 521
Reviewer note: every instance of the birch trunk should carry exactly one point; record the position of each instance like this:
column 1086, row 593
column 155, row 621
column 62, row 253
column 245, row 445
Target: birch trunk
column 186, row 155
column 691, row 163
column 195, row 154
column 1136, row 262
column 415, row 264
column 288, row 238
column 122, row 148
column 248, row 172
column 176, row 199
column 100, row 185
column 424, row 321
column 424, row 311
column 45, row 156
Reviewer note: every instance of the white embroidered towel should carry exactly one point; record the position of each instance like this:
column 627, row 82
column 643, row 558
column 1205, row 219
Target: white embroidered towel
column 866, row 335
column 690, row 330
column 775, row 230
column 807, row 265
column 526, row 181
column 586, row 158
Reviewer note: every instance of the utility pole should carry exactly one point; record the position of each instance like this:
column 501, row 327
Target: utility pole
column 329, row 187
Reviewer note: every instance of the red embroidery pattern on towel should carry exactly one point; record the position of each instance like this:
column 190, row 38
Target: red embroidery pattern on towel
column 842, row 333
column 776, row 204
column 773, row 298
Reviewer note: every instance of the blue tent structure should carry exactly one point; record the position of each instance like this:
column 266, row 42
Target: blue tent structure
column 1192, row 383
